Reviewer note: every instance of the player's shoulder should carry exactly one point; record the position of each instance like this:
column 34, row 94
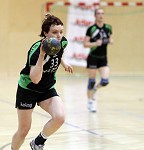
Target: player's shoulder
column 91, row 26
column 91, row 29
column 35, row 46
column 64, row 42
column 64, row 38
column 108, row 26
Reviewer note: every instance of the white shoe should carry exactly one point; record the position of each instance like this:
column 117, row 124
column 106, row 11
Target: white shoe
column 92, row 106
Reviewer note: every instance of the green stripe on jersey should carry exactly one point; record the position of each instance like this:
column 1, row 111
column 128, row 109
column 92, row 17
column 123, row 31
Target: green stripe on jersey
column 93, row 29
column 109, row 27
column 33, row 49
column 93, row 49
column 24, row 81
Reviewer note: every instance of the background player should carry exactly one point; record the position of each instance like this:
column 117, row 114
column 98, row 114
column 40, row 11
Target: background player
column 98, row 36
column 36, row 85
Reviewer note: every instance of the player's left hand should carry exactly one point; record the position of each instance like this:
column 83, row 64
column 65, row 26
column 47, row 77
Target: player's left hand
column 68, row 68
column 111, row 41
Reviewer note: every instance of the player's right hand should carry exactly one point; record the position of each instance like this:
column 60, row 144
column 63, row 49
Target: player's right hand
column 99, row 42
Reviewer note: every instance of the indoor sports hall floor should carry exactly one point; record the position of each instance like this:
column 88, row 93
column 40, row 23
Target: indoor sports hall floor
column 118, row 124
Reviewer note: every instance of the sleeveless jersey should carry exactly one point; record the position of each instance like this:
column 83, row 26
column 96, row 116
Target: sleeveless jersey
column 50, row 66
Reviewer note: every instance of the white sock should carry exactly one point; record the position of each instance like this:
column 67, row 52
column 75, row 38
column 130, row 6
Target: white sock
column 44, row 136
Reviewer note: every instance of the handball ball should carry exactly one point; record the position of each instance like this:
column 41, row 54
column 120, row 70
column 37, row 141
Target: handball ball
column 51, row 46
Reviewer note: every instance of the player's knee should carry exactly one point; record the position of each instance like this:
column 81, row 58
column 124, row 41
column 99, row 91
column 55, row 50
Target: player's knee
column 104, row 82
column 59, row 119
column 91, row 83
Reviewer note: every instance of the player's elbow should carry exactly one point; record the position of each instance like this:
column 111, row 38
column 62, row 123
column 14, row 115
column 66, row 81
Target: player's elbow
column 35, row 75
column 35, row 79
column 85, row 45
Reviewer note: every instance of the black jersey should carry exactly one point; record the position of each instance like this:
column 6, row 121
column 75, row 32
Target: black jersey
column 50, row 66
column 103, row 33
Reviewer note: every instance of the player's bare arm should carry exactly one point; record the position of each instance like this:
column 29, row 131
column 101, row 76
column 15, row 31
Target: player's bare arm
column 67, row 66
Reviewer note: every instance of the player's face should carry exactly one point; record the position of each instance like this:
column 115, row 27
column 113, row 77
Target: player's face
column 99, row 15
column 56, row 31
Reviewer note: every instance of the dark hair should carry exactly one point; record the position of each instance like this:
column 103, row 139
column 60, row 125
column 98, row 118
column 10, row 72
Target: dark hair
column 48, row 22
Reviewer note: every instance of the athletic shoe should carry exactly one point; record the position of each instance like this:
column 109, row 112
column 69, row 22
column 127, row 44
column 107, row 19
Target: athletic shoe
column 36, row 147
column 92, row 106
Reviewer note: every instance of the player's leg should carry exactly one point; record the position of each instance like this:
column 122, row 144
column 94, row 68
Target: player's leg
column 24, row 124
column 90, row 89
column 91, row 82
column 54, row 106
column 104, row 73
column 24, row 104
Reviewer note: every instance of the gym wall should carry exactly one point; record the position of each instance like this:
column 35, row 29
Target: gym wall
column 21, row 25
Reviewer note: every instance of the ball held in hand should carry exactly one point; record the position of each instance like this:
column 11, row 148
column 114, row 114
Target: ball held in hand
column 51, row 46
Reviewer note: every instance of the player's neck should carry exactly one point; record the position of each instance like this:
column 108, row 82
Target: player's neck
column 99, row 24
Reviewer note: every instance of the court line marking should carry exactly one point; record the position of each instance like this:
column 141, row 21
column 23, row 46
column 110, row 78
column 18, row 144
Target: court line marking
column 43, row 115
column 73, row 125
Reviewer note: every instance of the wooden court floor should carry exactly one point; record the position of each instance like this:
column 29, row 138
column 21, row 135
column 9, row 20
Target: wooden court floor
column 117, row 125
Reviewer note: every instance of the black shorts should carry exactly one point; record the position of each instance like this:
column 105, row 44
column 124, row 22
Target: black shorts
column 27, row 99
column 96, row 62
